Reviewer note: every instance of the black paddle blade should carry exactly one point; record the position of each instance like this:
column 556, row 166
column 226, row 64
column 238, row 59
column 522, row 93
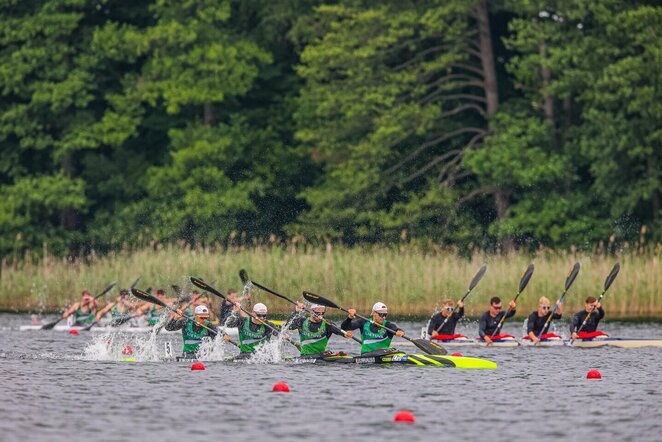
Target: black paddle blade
column 612, row 275
column 429, row 347
column 478, row 277
column 571, row 276
column 525, row 278
column 144, row 296
column 106, row 290
column 50, row 325
column 243, row 275
column 177, row 289
column 204, row 286
column 135, row 283
column 319, row 299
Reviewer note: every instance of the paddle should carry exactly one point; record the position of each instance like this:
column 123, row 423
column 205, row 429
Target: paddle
column 522, row 285
column 144, row 296
column 120, row 321
column 568, row 282
column 244, row 278
column 474, row 282
column 50, row 325
column 426, row 346
column 608, row 282
column 204, row 286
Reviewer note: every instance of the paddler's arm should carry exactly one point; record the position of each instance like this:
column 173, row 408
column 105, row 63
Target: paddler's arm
column 457, row 314
column 72, row 309
column 103, row 311
column 176, row 324
column 393, row 329
column 601, row 312
column 574, row 323
column 530, row 323
column 332, row 329
column 513, row 309
column 435, row 321
column 234, row 321
column 352, row 323
column 482, row 327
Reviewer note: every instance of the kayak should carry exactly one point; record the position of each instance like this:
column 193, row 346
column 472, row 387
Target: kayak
column 558, row 342
column 615, row 342
column 394, row 358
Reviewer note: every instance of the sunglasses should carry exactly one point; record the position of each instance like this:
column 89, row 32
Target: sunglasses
column 496, row 307
column 545, row 307
column 382, row 315
column 318, row 313
column 260, row 315
column 450, row 309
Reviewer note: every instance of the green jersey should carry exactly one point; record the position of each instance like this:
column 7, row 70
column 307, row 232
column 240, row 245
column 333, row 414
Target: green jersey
column 371, row 341
column 83, row 318
column 313, row 343
column 249, row 339
column 193, row 339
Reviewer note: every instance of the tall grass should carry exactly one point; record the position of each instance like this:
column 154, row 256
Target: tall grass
column 410, row 282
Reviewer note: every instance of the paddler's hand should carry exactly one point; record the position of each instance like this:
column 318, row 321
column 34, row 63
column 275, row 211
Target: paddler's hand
column 351, row 313
column 434, row 333
column 399, row 333
column 512, row 305
column 460, row 304
column 299, row 306
column 597, row 305
column 574, row 335
column 488, row 340
column 226, row 338
column 349, row 335
column 535, row 339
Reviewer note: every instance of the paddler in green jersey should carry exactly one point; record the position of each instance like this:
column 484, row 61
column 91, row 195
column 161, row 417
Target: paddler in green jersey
column 314, row 332
column 83, row 311
column 120, row 310
column 252, row 332
column 192, row 333
column 154, row 311
column 373, row 337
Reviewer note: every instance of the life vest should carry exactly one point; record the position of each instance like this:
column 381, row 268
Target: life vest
column 313, row 343
column 154, row 315
column 371, row 341
column 249, row 339
column 192, row 339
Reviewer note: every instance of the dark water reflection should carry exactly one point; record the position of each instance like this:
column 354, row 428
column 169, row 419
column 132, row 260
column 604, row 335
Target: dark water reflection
column 48, row 393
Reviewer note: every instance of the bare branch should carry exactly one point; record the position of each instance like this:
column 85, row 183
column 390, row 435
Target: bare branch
column 468, row 67
column 457, row 153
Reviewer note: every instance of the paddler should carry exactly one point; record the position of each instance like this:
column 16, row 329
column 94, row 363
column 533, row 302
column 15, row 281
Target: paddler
column 154, row 311
column 489, row 322
column 83, row 311
column 314, row 332
column 373, row 337
column 590, row 329
column 448, row 316
column 227, row 306
column 538, row 319
column 192, row 333
column 195, row 301
column 252, row 331
column 120, row 310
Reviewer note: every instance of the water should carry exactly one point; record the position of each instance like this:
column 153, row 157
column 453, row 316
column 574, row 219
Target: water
column 54, row 386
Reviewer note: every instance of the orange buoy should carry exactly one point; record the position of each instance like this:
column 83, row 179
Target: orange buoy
column 457, row 353
column 198, row 366
column 281, row 387
column 404, row 416
column 73, row 331
column 594, row 374
column 128, row 350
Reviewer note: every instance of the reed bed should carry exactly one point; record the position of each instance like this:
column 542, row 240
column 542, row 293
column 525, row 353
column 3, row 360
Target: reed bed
column 412, row 283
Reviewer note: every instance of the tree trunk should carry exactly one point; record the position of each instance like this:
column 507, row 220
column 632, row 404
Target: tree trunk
column 208, row 117
column 548, row 100
column 501, row 194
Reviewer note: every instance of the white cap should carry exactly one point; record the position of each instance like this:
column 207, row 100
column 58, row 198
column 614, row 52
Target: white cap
column 201, row 310
column 260, row 308
column 379, row 306
column 314, row 306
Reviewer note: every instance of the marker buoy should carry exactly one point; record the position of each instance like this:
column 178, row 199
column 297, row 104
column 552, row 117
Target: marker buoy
column 281, row 387
column 404, row 416
column 457, row 353
column 198, row 366
column 128, row 350
column 73, row 331
column 594, row 374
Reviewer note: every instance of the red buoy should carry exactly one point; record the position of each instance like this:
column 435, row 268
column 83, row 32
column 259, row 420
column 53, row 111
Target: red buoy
column 198, row 366
column 594, row 374
column 282, row 387
column 457, row 353
column 404, row 416
column 128, row 350
column 73, row 331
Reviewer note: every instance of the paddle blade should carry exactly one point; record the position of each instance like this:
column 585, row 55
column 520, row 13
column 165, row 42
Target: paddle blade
column 525, row 278
column 571, row 276
column 243, row 275
column 319, row 299
column 144, row 296
column 478, row 277
column 106, row 290
column 178, row 290
column 612, row 275
column 135, row 283
column 429, row 347
column 204, row 286
column 50, row 325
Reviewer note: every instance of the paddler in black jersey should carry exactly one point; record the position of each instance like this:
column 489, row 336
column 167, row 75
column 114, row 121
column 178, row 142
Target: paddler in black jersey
column 590, row 329
column 489, row 322
column 120, row 310
column 192, row 333
column 314, row 332
column 373, row 337
column 537, row 320
column 252, row 332
column 448, row 317
column 83, row 311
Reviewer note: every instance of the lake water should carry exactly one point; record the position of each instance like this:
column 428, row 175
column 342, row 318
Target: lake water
column 54, row 386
